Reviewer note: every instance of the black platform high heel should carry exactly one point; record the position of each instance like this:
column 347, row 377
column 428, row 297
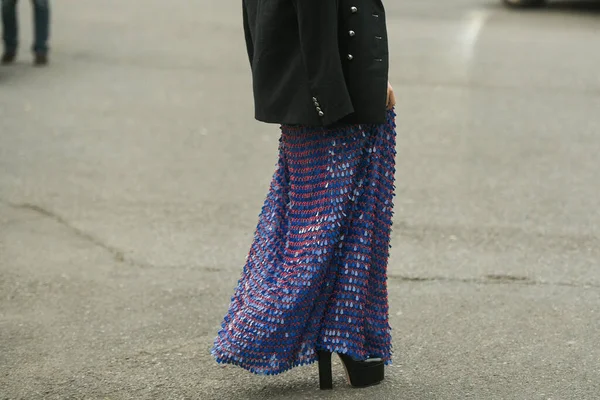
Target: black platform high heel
column 360, row 373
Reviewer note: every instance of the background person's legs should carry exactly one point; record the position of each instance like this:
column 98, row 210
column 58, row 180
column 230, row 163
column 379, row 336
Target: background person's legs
column 41, row 21
column 10, row 29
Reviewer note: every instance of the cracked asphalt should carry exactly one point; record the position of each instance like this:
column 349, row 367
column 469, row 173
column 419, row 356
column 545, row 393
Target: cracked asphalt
column 132, row 174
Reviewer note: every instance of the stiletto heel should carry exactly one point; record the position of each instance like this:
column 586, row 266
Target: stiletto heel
column 325, row 376
column 363, row 373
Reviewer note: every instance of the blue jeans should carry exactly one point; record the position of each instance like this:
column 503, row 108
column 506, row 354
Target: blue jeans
column 41, row 19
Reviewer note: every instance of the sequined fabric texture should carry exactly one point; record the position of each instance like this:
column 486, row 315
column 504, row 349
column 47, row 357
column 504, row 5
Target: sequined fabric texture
column 315, row 276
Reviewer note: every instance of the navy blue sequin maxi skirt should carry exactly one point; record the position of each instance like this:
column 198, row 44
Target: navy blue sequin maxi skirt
column 316, row 274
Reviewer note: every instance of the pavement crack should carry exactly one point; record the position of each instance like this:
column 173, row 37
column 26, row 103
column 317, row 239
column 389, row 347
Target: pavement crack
column 117, row 254
column 492, row 279
column 493, row 237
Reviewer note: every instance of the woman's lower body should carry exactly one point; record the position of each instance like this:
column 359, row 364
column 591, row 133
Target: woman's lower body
column 41, row 20
column 315, row 278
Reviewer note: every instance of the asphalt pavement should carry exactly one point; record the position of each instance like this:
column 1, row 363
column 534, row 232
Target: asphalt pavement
column 132, row 174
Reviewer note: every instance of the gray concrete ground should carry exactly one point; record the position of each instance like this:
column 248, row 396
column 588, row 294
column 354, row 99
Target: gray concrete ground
column 132, row 174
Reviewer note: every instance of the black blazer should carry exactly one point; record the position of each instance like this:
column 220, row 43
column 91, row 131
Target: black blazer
column 317, row 62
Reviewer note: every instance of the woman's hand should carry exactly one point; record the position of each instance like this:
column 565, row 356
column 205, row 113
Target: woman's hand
column 391, row 97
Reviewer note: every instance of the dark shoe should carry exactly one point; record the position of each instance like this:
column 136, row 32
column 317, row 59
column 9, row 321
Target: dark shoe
column 360, row 373
column 40, row 59
column 8, row 57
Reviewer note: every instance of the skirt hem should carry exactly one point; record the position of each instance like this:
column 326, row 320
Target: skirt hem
column 272, row 372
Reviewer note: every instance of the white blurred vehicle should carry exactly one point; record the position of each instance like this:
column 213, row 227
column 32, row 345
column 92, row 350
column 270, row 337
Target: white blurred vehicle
column 524, row 3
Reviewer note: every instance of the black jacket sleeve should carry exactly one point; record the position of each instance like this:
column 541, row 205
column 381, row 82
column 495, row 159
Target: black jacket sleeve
column 318, row 29
column 248, row 34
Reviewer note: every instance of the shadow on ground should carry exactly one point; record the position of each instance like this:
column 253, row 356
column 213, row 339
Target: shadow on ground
column 308, row 389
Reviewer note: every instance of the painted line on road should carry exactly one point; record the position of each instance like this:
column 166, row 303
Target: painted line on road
column 469, row 35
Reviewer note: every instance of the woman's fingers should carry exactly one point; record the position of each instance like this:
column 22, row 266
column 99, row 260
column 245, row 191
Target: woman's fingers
column 387, row 100
column 391, row 97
